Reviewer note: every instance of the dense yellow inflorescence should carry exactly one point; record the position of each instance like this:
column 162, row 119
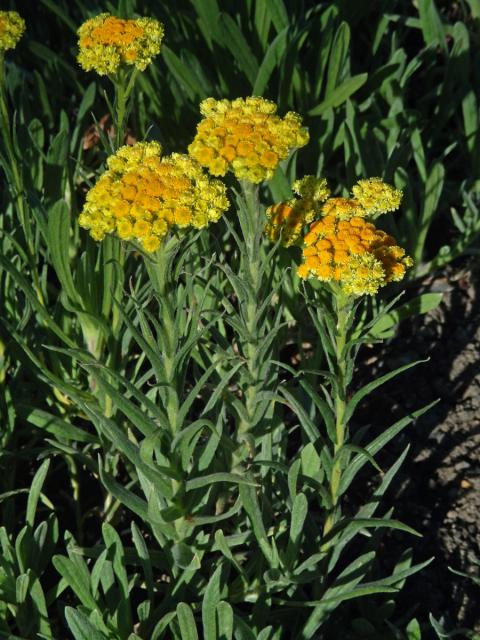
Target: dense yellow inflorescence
column 12, row 28
column 370, row 198
column 287, row 219
column 352, row 253
column 106, row 43
column 245, row 136
column 376, row 196
column 142, row 195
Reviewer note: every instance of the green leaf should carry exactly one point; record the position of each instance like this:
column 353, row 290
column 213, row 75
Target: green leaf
column 208, row 12
column 58, row 238
column 351, row 526
column 221, row 544
column 431, row 24
column 35, row 490
column 273, row 56
column 211, row 599
column 337, row 599
column 183, row 74
column 32, row 298
column 186, row 621
column 278, row 14
column 371, row 386
column 205, row 481
column 299, row 515
column 225, row 621
column 249, row 499
column 22, row 585
column 338, row 61
column 310, row 461
column 340, row 94
column 431, row 200
column 342, row 589
column 126, row 497
column 81, row 627
column 54, row 425
column 235, row 41
column 378, row 443
column 162, row 624
column 78, row 579
column 144, row 558
column 420, row 305
column 306, row 422
column 413, row 630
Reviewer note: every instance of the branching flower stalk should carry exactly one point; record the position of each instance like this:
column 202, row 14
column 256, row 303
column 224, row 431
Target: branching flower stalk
column 119, row 48
column 344, row 250
column 148, row 199
column 247, row 137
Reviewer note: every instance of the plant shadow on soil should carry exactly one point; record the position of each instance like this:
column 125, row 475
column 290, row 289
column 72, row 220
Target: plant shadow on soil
column 438, row 487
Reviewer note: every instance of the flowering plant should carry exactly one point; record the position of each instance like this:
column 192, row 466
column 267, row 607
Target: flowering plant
column 188, row 392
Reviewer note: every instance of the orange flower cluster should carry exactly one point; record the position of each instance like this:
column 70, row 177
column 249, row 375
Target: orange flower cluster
column 353, row 253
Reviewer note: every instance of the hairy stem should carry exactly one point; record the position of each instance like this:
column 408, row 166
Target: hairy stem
column 159, row 270
column 251, row 263
column 343, row 310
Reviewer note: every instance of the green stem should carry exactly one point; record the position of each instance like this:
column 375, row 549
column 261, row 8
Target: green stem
column 251, row 264
column 159, row 271
column 343, row 310
column 120, row 109
column 124, row 84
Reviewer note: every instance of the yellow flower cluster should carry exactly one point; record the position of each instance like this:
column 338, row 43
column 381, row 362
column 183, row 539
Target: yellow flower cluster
column 371, row 197
column 142, row 195
column 287, row 219
column 106, row 43
column 245, row 136
column 375, row 196
column 12, row 27
column 354, row 254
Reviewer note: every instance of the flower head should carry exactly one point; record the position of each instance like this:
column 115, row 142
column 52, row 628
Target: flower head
column 371, row 197
column 343, row 208
column 245, row 136
column 376, row 196
column 107, row 43
column 354, row 254
column 12, row 27
column 311, row 188
column 287, row 219
column 142, row 195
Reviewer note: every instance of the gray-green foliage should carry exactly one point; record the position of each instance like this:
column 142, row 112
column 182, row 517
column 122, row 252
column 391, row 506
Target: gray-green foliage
column 161, row 382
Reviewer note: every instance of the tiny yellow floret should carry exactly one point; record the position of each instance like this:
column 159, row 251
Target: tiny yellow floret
column 107, row 43
column 12, row 28
column 142, row 195
column 245, row 136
